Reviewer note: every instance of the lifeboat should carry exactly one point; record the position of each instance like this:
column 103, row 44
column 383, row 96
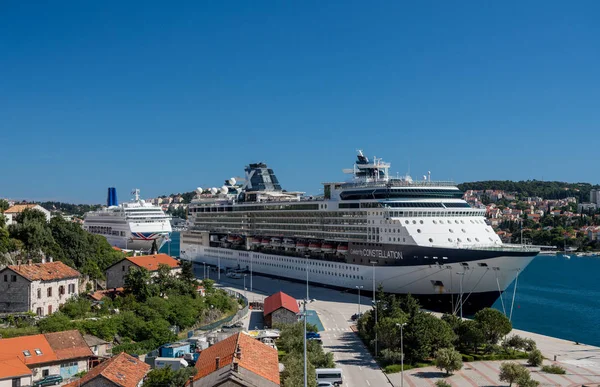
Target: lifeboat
column 255, row 241
column 314, row 246
column 301, row 245
column 342, row 248
column 275, row 242
column 288, row 243
column 265, row 242
column 237, row 239
column 230, row 238
column 327, row 247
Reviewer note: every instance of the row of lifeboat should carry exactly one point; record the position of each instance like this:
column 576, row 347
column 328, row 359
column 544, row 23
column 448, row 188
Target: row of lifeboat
column 300, row 245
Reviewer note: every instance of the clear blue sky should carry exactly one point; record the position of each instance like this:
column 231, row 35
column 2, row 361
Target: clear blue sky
column 166, row 98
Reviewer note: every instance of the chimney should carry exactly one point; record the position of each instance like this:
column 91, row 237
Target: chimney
column 19, row 262
column 236, row 367
column 30, row 262
column 43, row 260
column 217, row 362
column 50, row 259
column 238, row 353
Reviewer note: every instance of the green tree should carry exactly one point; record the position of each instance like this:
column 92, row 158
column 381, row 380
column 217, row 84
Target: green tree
column 166, row 377
column 470, row 335
column 76, row 307
column 3, row 205
column 424, row 335
column 163, row 279
column 535, row 358
column 138, row 283
column 448, row 359
column 56, row 322
column 511, row 372
column 293, row 373
column 493, row 324
column 187, row 272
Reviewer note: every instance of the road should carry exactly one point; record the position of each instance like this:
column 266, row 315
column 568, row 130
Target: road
column 334, row 308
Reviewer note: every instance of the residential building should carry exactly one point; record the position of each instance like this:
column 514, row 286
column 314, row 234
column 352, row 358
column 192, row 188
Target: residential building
column 239, row 360
column 60, row 353
column 12, row 212
column 122, row 370
column 98, row 346
column 37, row 287
column 586, row 207
column 280, row 308
column 14, row 373
column 115, row 274
column 595, row 196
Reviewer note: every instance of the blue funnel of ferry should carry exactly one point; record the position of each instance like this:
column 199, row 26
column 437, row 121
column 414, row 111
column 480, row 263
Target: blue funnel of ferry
column 111, row 199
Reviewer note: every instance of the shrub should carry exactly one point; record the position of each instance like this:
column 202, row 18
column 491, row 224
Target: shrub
column 512, row 372
column 529, row 345
column 392, row 369
column 448, row 359
column 554, row 369
column 467, row 358
column 442, row 383
column 389, row 356
column 493, row 324
column 514, row 342
column 535, row 358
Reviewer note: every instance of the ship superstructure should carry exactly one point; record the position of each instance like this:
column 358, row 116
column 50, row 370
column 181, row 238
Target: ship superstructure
column 411, row 236
column 133, row 225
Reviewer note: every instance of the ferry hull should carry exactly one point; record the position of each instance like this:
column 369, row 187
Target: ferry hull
column 437, row 285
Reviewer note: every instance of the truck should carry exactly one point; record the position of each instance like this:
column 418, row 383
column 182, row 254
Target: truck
column 174, row 363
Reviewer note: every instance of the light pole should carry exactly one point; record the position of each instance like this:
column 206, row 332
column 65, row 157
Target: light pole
column 250, row 272
column 219, row 270
column 359, row 287
column 245, row 294
column 204, row 270
column 401, row 353
column 304, row 302
column 375, row 306
column 462, row 276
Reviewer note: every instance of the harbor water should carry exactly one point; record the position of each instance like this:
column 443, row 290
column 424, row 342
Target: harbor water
column 558, row 297
column 172, row 247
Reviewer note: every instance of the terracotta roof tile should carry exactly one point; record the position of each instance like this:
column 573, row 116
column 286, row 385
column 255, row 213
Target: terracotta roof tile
column 18, row 208
column 100, row 294
column 68, row 344
column 12, row 366
column 49, row 271
column 280, row 300
column 123, row 370
column 255, row 356
column 16, row 347
column 151, row 262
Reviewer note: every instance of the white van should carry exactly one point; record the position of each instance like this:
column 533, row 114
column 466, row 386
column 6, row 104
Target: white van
column 332, row 375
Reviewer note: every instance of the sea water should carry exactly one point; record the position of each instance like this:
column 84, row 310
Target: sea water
column 558, row 297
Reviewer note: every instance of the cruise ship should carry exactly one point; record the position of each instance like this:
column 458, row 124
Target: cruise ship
column 408, row 236
column 133, row 225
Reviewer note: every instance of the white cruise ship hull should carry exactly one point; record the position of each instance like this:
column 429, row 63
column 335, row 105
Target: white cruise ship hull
column 437, row 285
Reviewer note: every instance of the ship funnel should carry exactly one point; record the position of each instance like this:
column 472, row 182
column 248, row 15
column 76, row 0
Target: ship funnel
column 111, row 199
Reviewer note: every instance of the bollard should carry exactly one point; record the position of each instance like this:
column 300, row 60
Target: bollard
column 554, row 357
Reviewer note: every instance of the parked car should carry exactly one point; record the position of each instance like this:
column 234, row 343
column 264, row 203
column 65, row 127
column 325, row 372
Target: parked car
column 50, row 380
column 325, row 384
column 315, row 339
column 238, row 324
column 356, row 316
column 313, row 335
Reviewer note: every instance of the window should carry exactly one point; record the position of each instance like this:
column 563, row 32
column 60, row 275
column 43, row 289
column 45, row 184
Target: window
column 5, row 277
column 123, row 268
column 431, row 240
column 49, row 309
column 39, row 293
column 38, row 352
column 27, row 353
column 49, row 292
column 16, row 382
column 45, row 372
column 483, row 264
column 13, row 278
column 61, row 290
column 419, row 230
column 39, row 312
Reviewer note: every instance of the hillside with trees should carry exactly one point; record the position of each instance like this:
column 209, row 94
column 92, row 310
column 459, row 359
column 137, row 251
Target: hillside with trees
column 544, row 189
column 33, row 238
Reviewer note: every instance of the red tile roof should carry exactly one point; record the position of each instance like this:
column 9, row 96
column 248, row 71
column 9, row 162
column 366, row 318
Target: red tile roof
column 49, row 271
column 123, row 370
column 100, row 294
column 18, row 208
column 151, row 262
column 255, row 356
column 16, row 347
column 280, row 300
column 12, row 366
column 68, row 344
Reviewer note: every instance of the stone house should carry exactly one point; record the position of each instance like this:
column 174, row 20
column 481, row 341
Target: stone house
column 122, row 370
column 14, row 373
column 59, row 353
column 280, row 308
column 115, row 274
column 98, row 346
column 14, row 211
column 37, row 287
column 239, row 360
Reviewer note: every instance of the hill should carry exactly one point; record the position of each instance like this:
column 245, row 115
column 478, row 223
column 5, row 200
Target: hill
column 544, row 189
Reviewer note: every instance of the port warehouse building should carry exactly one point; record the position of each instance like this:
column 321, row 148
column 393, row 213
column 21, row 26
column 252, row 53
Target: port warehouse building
column 280, row 308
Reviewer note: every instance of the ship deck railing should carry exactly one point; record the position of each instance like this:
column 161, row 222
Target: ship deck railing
column 399, row 183
column 495, row 247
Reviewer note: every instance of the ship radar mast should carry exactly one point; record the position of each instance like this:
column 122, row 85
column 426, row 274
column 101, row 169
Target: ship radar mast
column 136, row 194
column 363, row 169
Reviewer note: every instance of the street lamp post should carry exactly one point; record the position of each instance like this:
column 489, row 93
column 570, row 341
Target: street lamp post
column 204, row 270
column 401, row 354
column 375, row 306
column 219, row 269
column 359, row 287
column 250, row 272
column 304, row 302
column 245, row 294
column 462, row 276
